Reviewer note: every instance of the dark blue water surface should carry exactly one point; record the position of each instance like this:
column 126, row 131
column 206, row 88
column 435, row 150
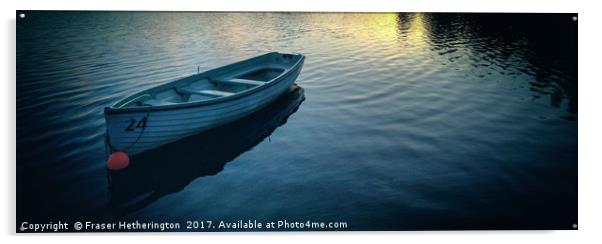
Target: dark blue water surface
column 399, row 121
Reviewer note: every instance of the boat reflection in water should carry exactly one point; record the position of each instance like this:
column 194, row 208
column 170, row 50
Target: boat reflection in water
column 168, row 169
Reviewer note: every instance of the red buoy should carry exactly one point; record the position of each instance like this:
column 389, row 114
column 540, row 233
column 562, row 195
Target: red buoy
column 118, row 160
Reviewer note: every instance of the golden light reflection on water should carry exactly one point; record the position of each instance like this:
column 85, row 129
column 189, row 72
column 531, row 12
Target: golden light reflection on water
column 374, row 30
column 417, row 34
column 301, row 31
column 357, row 29
column 379, row 27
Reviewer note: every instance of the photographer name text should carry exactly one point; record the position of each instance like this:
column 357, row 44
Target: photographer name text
column 188, row 225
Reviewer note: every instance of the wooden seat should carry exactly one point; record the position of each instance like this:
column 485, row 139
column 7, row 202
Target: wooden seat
column 155, row 102
column 240, row 82
column 209, row 93
column 138, row 100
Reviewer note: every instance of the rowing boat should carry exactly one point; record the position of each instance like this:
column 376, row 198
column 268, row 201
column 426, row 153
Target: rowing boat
column 187, row 106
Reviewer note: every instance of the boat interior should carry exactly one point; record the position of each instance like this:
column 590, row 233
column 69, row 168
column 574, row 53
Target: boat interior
column 217, row 83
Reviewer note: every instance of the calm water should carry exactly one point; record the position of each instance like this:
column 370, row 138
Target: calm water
column 402, row 121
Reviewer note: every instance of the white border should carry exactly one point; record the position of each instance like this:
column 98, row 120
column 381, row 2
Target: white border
column 589, row 117
column 309, row 5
